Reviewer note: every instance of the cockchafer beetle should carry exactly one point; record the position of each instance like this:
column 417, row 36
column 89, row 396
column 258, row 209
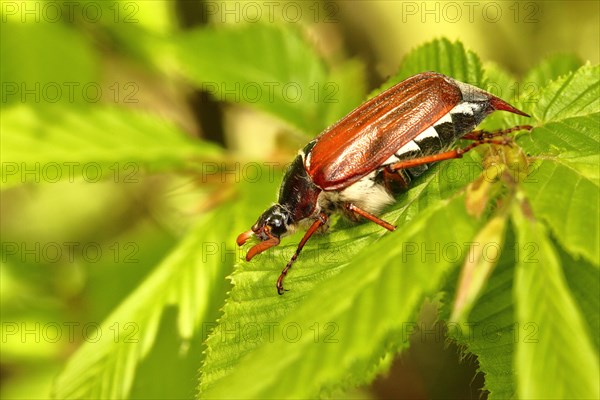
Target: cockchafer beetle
column 354, row 165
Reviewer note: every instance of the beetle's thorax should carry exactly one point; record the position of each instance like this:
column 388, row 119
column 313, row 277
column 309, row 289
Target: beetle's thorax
column 298, row 193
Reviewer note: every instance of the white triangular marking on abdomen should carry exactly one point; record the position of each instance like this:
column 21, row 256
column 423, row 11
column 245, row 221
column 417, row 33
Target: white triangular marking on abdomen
column 446, row 118
column 427, row 133
column 407, row 148
column 466, row 108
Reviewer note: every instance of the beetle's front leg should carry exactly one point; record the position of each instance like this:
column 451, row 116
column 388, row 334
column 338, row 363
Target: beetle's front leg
column 321, row 220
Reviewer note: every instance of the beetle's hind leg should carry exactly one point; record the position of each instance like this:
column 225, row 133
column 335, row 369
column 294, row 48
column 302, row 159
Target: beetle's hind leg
column 395, row 182
column 447, row 155
column 479, row 138
column 480, row 135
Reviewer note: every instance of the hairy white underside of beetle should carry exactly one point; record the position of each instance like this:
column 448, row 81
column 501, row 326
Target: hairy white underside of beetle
column 367, row 194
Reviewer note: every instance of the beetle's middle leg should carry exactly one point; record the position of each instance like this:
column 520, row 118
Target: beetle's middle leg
column 351, row 207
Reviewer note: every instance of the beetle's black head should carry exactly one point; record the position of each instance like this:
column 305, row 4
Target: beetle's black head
column 271, row 225
column 273, row 222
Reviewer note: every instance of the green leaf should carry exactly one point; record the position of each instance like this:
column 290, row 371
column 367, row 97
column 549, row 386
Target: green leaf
column 344, row 91
column 563, row 189
column 253, row 302
column 575, row 135
column 562, row 342
column 568, row 202
column 361, row 314
column 564, row 182
column 38, row 76
column 90, row 144
column 526, row 93
column 499, row 81
column 563, row 185
column 443, row 56
column 478, row 267
column 267, row 66
column 550, row 69
column 572, row 95
column 583, row 279
column 490, row 330
column 191, row 278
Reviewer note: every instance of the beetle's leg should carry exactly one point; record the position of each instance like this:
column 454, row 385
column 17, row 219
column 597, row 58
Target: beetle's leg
column 395, row 178
column 448, row 155
column 321, row 220
column 371, row 217
column 480, row 135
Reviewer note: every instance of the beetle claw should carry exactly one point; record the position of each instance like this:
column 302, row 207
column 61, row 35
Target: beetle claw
column 280, row 289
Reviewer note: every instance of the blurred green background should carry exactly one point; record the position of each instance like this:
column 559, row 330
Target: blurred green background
column 73, row 249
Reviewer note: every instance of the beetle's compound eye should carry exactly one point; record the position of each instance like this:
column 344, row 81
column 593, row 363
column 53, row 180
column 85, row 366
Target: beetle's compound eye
column 272, row 223
column 277, row 222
